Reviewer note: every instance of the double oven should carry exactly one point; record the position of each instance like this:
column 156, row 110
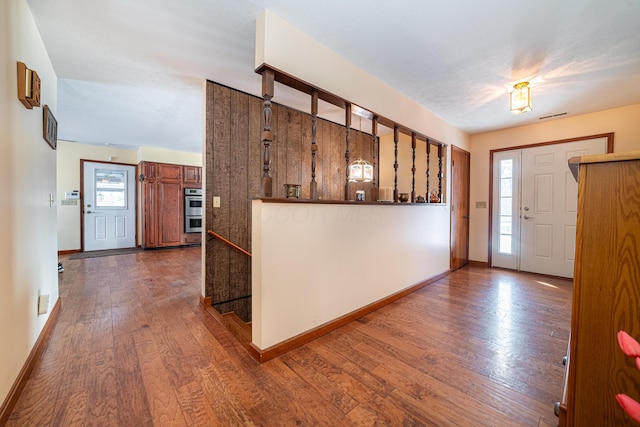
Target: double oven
column 192, row 210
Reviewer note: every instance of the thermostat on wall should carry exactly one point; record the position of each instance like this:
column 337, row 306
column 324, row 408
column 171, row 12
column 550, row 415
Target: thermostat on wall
column 73, row 195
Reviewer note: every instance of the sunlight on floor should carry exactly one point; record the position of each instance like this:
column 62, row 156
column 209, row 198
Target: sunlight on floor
column 547, row 284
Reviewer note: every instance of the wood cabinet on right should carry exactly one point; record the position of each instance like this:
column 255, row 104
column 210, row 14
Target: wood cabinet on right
column 192, row 175
column 606, row 294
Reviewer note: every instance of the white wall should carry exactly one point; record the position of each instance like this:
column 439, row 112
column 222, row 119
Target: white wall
column 314, row 63
column 69, row 156
column 28, row 254
column 624, row 122
column 313, row 263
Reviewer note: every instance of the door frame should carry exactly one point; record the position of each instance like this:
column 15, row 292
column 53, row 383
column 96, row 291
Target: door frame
column 608, row 135
column 137, row 197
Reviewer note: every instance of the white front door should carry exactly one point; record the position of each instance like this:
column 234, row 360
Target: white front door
column 541, row 226
column 109, row 206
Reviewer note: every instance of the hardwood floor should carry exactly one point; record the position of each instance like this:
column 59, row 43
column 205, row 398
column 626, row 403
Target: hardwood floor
column 133, row 347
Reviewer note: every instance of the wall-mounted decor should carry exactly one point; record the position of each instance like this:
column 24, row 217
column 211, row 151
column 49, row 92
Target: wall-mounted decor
column 49, row 127
column 28, row 86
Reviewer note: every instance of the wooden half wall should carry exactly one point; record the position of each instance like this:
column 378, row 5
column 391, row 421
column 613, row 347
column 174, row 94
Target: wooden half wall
column 233, row 167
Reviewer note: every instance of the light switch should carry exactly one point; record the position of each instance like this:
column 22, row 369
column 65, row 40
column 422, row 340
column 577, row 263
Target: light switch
column 481, row 205
column 216, row 201
column 43, row 304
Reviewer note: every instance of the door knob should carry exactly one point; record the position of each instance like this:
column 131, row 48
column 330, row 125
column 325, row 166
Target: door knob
column 88, row 212
column 527, row 217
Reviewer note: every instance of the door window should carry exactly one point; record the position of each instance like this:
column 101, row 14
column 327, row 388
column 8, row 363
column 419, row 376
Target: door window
column 111, row 189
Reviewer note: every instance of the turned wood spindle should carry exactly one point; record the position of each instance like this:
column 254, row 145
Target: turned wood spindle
column 374, row 140
column 396, row 139
column 427, row 196
column 440, row 174
column 413, row 167
column 348, row 142
column 314, row 145
column 267, row 136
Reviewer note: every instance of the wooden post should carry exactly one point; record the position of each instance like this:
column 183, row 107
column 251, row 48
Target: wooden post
column 314, row 146
column 427, row 197
column 396, row 139
column 267, row 137
column 440, row 174
column 374, row 144
column 413, row 167
column 347, row 123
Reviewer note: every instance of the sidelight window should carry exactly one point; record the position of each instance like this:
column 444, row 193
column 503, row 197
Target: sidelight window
column 505, row 244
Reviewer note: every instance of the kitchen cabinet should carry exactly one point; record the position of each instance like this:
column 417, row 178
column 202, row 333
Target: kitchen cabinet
column 192, row 176
column 162, row 204
column 606, row 293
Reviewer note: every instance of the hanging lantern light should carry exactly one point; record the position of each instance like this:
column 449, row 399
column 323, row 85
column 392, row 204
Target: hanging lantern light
column 360, row 171
column 520, row 98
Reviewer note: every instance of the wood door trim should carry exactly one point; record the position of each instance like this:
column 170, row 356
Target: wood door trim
column 608, row 135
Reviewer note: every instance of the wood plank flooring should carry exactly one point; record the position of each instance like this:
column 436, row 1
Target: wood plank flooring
column 133, row 347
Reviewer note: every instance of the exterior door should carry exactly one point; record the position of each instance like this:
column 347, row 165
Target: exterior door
column 535, row 207
column 109, row 214
column 549, row 206
column 460, row 175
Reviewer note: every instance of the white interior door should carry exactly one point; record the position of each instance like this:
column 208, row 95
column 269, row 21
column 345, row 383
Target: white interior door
column 109, row 206
column 543, row 226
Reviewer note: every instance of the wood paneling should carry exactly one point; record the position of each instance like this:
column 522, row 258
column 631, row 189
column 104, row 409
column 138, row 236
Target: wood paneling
column 479, row 347
column 234, row 158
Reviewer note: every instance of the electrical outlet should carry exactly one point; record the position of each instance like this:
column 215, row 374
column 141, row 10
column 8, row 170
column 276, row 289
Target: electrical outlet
column 216, row 201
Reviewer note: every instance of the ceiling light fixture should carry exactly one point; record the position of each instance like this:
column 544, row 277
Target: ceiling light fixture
column 520, row 98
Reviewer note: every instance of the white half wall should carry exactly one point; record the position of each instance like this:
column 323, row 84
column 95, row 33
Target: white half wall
column 313, row 263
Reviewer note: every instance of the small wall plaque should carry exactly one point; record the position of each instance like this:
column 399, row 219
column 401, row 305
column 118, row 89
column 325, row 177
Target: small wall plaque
column 28, row 86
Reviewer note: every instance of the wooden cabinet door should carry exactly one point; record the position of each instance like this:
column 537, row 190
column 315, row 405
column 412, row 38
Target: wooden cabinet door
column 169, row 172
column 170, row 204
column 192, row 175
column 149, row 214
column 149, row 170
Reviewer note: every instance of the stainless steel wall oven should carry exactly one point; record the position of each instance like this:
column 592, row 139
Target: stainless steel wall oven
column 192, row 210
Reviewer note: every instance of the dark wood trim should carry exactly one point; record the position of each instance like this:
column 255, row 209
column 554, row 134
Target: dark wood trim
column 34, row 356
column 205, row 301
column 341, row 202
column 69, row 252
column 608, row 135
column 305, row 87
column 478, row 264
column 299, row 340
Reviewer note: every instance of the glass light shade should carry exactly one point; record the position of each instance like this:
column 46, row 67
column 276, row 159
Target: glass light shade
column 360, row 171
column 520, row 98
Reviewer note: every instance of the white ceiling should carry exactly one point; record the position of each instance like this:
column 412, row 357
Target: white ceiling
column 131, row 71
